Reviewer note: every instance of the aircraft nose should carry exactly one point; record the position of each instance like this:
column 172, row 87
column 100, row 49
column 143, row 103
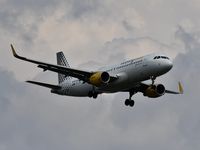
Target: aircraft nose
column 168, row 65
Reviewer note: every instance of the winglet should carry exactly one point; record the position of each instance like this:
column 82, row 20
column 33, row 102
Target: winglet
column 13, row 51
column 180, row 88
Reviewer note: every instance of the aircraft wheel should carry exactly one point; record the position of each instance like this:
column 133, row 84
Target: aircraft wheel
column 90, row 94
column 95, row 95
column 127, row 102
column 131, row 103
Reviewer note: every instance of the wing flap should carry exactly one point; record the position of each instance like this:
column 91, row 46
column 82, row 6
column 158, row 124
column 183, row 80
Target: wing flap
column 66, row 72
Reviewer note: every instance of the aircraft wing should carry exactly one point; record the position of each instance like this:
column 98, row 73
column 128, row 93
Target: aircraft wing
column 80, row 74
column 180, row 88
column 142, row 87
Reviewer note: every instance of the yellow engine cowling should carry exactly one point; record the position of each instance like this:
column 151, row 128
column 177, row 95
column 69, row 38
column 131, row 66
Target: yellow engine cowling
column 154, row 91
column 99, row 78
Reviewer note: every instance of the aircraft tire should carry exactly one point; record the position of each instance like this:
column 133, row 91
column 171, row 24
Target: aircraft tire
column 90, row 94
column 129, row 102
column 95, row 95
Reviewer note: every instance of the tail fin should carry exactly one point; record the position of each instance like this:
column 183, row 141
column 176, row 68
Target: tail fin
column 61, row 60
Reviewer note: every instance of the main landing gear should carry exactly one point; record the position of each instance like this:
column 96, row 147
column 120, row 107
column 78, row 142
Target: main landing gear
column 152, row 78
column 130, row 102
column 92, row 94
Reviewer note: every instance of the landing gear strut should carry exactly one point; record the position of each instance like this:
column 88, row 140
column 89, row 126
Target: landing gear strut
column 130, row 102
column 152, row 79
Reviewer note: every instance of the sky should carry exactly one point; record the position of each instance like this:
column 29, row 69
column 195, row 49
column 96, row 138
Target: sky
column 93, row 33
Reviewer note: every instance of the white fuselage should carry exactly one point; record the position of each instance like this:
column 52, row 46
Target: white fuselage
column 129, row 73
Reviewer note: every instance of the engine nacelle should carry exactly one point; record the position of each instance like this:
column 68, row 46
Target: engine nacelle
column 154, row 91
column 99, row 78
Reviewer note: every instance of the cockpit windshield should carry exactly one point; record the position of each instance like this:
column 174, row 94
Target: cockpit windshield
column 161, row 57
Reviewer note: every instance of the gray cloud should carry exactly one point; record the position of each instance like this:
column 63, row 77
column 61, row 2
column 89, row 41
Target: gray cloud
column 191, row 42
column 50, row 121
column 32, row 118
column 22, row 18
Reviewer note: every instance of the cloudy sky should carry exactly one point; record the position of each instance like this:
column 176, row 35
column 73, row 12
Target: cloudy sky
column 93, row 33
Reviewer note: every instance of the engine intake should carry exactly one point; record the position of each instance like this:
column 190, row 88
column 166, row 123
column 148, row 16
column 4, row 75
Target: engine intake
column 154, row 91
column 99, row 78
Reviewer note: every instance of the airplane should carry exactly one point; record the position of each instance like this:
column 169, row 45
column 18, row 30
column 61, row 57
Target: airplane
column 128, row 76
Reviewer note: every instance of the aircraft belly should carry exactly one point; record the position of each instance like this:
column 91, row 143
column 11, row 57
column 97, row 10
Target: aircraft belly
column 128, row 80
column 80, row 90
column 121, row 83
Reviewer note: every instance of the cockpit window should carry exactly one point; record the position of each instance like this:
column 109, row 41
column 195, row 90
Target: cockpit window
column 158, row 57
column 164, row 57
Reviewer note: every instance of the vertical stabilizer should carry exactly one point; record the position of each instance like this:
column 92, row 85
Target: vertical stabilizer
column 61, row 60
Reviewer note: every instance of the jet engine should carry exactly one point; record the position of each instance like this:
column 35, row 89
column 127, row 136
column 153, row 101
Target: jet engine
column 99, row 78
column 154, row 91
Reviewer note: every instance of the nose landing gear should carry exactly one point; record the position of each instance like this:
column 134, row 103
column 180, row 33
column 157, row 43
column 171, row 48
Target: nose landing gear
column 152, row 78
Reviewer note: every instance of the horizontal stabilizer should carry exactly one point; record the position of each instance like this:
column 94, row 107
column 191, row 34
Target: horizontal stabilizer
column 45, row 85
